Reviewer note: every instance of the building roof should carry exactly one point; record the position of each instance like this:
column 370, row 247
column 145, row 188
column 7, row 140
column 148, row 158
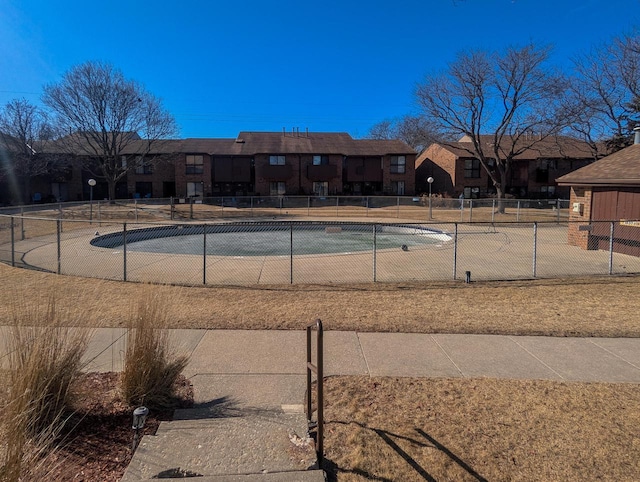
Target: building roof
column 620, row 168
column 556, row 147
column 252, row 143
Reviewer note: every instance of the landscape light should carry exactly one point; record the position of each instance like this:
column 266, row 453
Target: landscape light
column 139, row 418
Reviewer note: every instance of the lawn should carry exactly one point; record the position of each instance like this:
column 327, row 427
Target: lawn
column 597, row 306
column 422, row 429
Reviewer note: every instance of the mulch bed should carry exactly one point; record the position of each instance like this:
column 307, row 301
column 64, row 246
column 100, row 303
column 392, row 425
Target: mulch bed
column 97, row 444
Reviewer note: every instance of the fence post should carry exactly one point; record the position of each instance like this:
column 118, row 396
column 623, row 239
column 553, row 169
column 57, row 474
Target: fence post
column 172, row 207
column 493, row 211
column 251, row 206
column 124, row 251
column 58, row 231
column 308, row 205
column 190, row 208
column 611, row 247
column 135, row 209
column 291, row 253
column 455, row 250
column 518, row 212
column 222, row 206
column 367, row 206
column 558, row 211
column 470, row 210
column 99, row 212
column 535, row 247
column 21, row 224
column 374, row 252
column 337, row 206
column 13, row 244
column 398, row 207
column 204, row 254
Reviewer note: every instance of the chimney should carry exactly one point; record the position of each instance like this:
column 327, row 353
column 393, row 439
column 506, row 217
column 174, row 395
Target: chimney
column 636, row 136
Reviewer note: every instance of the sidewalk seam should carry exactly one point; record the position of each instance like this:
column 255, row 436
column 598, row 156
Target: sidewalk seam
column 536, row 358
column 447, row 355
column 615, row 354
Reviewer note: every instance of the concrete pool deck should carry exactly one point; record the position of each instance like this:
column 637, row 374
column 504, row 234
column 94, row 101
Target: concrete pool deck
column 489, row 252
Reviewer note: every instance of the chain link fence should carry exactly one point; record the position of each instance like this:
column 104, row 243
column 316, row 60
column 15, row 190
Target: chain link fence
column 419, row 208
column 276, row 252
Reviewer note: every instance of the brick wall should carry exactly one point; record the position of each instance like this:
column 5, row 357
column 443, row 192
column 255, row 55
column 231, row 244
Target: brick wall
column 576, row 237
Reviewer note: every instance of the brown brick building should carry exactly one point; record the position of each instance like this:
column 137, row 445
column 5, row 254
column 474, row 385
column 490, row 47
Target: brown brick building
column 605, row 191
column 254, row 163
column 456, row 171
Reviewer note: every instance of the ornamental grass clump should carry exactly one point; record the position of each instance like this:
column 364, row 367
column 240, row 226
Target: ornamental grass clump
column 151, row 367
column 44, row 359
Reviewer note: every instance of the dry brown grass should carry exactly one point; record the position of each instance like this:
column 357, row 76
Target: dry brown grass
column 598, row 306
column 150, row 370
column 481, row 429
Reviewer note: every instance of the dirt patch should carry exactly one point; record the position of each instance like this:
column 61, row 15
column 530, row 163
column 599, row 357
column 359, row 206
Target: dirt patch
column 607, row 305
column 480, row 429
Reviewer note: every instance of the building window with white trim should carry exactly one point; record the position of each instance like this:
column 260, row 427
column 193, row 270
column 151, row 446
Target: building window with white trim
column 277, row 160
column 277, row 188
column 195, row 189
column 321, row 188
column 398, row 164
column 195, row 164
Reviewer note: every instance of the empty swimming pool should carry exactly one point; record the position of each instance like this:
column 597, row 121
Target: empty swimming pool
column 273, row 239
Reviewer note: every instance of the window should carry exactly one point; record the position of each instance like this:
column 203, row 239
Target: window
column 277, row 188
column 195, row 164
column 321, row 188
column 144, row 168
column 195, row 189
column 471, row 168
column 397, row 187
column 320, row 160
column 276, row 160
column 398, row 164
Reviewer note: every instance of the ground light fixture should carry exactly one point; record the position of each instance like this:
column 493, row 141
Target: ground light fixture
column 140, row 415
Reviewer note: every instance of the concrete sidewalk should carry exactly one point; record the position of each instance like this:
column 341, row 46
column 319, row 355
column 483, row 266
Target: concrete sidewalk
column 249, row 389
column 219, row 353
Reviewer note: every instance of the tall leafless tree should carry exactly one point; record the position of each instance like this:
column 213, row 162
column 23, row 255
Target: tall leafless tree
column 415, row 130
column 24, row 130
column 605, row 93
column 114, row 125
column 501, row 104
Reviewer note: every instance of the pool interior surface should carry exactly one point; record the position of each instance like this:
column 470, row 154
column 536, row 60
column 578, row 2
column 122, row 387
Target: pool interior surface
column 276, row 241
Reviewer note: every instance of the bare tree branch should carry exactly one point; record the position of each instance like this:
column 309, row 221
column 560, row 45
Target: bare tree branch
column 113, row 124
column 505, row 97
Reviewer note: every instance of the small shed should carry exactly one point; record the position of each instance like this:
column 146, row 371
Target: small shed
column 605, row 199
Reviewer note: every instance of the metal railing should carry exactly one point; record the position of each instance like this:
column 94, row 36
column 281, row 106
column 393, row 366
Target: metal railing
column 318, row 369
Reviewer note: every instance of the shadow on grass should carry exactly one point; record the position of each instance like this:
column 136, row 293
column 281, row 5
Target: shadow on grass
column 388, row 437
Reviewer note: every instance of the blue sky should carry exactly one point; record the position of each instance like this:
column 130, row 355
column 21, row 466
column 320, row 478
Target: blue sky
column 339, row 65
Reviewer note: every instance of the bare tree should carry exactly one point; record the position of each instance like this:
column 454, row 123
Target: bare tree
column 24, row 130
column 605, row 93
column 501, row 105
column 416, row 131
column 114, row 124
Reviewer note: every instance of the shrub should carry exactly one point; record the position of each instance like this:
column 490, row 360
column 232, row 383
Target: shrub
column 44, row 359
column 150, row 367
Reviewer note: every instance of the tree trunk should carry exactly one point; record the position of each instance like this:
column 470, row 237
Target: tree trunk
column 500, row 196
column 112, row 191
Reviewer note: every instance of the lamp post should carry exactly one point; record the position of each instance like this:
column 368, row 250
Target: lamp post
column 430, row 181
column 91, row 182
